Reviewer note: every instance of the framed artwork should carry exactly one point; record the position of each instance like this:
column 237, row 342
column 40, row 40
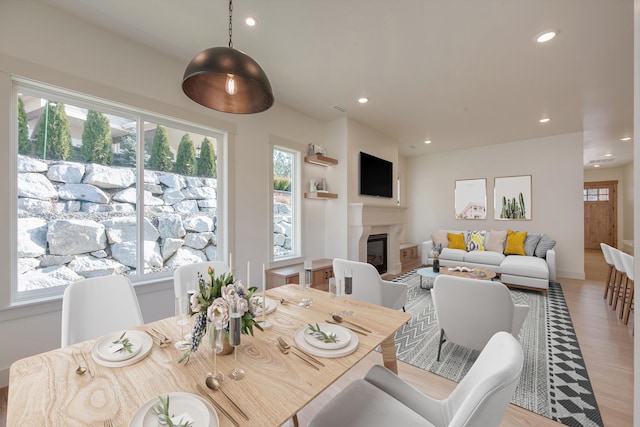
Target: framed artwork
column 471, row 199
column 512, row 198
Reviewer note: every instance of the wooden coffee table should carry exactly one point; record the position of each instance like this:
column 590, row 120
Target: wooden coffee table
column 483, row 273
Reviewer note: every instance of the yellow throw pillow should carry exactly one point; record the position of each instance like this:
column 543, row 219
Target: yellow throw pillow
column 456, row 241
column 515, row 242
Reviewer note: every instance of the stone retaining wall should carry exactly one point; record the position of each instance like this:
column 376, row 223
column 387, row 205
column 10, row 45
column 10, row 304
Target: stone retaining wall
column 77, row 221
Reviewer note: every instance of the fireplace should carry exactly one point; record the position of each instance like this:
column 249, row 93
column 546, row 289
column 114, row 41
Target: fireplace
column 377, row 251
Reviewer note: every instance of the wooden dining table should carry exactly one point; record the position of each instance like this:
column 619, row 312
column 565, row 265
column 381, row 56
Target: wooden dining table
column 44, row 390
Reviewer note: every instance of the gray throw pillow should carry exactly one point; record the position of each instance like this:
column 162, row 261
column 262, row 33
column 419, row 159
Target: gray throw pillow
column 544, row 245
column 531, row 242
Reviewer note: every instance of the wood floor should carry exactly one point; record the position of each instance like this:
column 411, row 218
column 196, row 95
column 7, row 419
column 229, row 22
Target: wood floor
column 607, row 347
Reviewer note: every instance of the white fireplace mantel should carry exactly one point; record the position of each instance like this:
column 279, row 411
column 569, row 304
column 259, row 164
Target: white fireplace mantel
column 365, row 220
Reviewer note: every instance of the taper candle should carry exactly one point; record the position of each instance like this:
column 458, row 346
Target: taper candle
column 248, row 275
column 264, row 293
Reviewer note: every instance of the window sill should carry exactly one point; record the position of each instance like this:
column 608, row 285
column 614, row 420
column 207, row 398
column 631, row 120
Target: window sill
column 53, row 303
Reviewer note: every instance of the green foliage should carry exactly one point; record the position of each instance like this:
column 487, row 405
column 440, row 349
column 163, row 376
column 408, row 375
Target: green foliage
column 281, row 184
column 24, row 143
column 281, row 163
column 96, row 139
column 186, row 158
column 161, row 156
column 128, row 150
column 54, row 135
column 207, row 162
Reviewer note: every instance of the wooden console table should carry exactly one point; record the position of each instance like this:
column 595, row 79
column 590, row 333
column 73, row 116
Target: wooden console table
column 322, row 271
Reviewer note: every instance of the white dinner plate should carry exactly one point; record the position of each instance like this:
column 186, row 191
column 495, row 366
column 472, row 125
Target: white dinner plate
column 320, row 352
column 270, row 304
column 343, row 337
column 146, row 345
column 199, row 409
column 104, row 344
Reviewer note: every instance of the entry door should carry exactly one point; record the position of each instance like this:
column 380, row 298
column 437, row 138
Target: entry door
column 600, row 214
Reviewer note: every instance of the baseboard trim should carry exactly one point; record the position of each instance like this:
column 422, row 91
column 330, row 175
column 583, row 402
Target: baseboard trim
column 4, row 377
column 570, row 275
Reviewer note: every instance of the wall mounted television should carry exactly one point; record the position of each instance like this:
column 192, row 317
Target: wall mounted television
column 376, row 176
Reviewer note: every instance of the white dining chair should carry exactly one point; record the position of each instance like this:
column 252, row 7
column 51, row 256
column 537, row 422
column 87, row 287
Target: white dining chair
column 96, row 306
column 185, row 277
column 368, row 286
column 383, row 399
column 470, row 311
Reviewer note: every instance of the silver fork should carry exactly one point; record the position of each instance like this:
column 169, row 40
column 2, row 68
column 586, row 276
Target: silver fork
column 108, row 423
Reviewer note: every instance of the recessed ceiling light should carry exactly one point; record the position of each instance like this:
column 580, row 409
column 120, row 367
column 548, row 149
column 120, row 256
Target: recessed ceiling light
column 545, row 36
column 626, row 138
column 596, row 166
column 545, row 120
column 608, row 155
column 428, row 141
column 250, row 21
column 363, row 100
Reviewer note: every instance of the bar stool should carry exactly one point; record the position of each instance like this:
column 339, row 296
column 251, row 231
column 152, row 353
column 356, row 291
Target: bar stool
column 621, row 275
column 608, row 285
column 627, row 295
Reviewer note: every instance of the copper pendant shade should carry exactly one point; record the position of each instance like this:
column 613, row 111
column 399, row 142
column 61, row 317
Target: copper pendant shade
column 227, row 80
column 206, row 77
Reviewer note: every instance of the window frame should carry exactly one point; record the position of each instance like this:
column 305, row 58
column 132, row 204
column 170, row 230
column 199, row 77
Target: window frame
column 140, row 116
column 296, row 202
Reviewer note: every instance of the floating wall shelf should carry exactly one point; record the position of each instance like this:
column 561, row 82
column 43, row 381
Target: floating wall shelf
column 321, row 160
column 320, row 195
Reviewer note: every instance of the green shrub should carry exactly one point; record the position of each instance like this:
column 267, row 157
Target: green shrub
column 207, row 161
column 54, row 135
column 186, row 158
column 281, row 183
column 25, row 146
column 96, row 139
column 161, row 156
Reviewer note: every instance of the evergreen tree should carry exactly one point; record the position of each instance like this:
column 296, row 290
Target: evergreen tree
column 128, row 149
column 161, row 157
column 186, row 158
column 24, row 143
column 207, row 160
column 57, row 144
column 96, row 139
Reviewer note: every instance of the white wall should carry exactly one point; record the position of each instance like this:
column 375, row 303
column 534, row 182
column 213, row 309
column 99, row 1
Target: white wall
column 613, row 174
column 627, row 203
column 555, row 164
column 636, row 192
column 41, row 43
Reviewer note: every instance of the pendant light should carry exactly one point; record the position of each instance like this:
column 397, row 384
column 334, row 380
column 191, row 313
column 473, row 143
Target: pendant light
column 227, row 80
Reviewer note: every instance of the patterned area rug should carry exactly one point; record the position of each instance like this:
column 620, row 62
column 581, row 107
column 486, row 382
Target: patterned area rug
column 554, row 381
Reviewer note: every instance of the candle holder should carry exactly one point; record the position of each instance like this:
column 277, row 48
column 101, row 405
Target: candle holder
column 306, row 300
column 216, row 340
column 263, row 322
column 235, row 332
column 348, row 290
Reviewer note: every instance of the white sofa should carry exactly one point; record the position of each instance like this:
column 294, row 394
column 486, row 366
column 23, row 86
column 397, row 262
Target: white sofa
column 529, row 272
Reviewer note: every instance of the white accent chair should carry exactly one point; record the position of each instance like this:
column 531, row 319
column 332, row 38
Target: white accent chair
column 97, row 306
column 469, row 311
column 368, row 286
column 479, row 400
column 185, row 277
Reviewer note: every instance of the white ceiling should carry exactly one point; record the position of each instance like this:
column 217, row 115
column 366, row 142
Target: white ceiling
column 461, row 73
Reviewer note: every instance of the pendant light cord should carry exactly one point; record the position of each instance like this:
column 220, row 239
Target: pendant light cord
column 230, row 24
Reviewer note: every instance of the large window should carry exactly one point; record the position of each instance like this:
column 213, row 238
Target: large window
column 106, row 189
column 286, row 223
